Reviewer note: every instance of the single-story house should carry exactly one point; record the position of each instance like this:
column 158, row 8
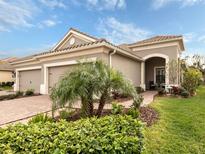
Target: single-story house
column 6, row 71
column 144, row 62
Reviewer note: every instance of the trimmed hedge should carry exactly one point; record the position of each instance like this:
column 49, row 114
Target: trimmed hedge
column 110, row 134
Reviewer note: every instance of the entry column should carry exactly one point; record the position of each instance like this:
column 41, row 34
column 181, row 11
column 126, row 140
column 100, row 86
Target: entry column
column 142, row 84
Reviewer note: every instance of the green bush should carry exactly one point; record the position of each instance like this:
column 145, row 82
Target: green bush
column 66, row 114
column 40, row 118
column 137, row 102
column 161, row 92
column 8, row 97
column 117, row 108
column 133, row 112
column 139, row 90
column 185, row 94
column 29, row 92
column 19, row 93
column 191, row 80
column 110, row 134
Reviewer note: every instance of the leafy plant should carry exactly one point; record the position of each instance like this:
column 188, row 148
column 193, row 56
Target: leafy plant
column 19, row 93
column 161, row 92
column 29, row 92
column 192, row 79
column 40, row 118
column 117, row 108
column 185, row 94
column 133, row 112
column 110, row 134
column 66, row 114
column 137, row 101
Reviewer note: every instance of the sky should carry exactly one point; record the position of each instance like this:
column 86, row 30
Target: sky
column 32, row 26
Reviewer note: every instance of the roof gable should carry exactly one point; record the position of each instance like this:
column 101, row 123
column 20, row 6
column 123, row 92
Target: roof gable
column 74, row 37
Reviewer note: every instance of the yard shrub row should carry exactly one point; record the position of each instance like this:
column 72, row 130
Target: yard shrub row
column 110, row 134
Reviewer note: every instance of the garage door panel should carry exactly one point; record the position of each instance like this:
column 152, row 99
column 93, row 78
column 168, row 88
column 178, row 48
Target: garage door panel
column 30, row 79
column 56, row 73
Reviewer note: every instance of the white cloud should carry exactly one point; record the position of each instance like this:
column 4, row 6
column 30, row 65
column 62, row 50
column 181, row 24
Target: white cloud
column 188, row 37
column 157, row 4
column 118, row 32
column 101, row 4
column 48, row 23
column 202, row 39
column 17, row 13
column 53, row 3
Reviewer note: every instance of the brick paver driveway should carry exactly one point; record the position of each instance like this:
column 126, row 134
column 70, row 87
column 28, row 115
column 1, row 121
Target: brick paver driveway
column 24, row 108
column 17, row 109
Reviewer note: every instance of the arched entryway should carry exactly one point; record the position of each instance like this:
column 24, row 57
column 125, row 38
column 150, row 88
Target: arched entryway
column 154, row 71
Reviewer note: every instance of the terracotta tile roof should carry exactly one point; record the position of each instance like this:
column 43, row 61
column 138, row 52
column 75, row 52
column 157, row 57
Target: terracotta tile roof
column 75, row 47
column 156, row 39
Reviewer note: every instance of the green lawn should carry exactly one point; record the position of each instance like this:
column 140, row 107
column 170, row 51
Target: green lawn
column 181, row 128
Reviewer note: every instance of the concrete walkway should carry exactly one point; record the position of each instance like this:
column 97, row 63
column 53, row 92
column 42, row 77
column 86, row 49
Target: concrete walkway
column 24, row 108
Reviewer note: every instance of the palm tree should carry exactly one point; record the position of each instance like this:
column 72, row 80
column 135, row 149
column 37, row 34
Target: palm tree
column 89, row 80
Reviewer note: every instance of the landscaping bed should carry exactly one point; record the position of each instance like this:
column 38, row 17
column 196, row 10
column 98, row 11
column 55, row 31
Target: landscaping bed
column 109, row 134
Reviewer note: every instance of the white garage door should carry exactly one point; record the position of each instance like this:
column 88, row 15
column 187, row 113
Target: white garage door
column 56, row 73
column 30, row 79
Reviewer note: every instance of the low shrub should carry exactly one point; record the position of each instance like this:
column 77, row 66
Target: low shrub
column 137, row 101
column 185, row 94
column 19, row 93
column 110, row 134
column 175, row 90
column 161, row 91
column 116, row 108
column 8, row 97
column 29, row 92
column 139, row 90
column 133, row 112
column 66, row 114
column 40, row 118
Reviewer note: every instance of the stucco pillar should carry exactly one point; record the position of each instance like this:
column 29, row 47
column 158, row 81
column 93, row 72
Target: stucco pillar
column 16, row 85
column 142, row 84
column 167, row 72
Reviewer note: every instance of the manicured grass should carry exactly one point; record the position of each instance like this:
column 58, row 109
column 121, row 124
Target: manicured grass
column 181, row 128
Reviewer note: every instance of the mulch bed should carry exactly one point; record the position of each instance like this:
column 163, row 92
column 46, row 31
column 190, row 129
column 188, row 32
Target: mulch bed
column 148, row 115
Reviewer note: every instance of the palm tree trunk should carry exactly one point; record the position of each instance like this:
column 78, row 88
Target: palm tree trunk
column 102, row 103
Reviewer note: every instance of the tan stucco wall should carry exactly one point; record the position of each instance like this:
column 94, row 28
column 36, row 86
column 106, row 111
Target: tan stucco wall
column 171, row 52
column 6, row 76
column 130, row 68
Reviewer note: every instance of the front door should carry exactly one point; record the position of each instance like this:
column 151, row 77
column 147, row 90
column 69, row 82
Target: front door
column 160, row 75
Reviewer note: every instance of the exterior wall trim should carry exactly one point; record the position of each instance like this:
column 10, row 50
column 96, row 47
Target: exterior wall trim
column 44, row 86
column 16, row 85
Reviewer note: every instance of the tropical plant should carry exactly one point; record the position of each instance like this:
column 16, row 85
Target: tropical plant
column 40, row 118
column 88, row 80
column 133, row 112
column 66, row 114
column 117, row 108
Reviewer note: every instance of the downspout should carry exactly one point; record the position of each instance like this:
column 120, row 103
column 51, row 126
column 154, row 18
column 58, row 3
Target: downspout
column 110, row 57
